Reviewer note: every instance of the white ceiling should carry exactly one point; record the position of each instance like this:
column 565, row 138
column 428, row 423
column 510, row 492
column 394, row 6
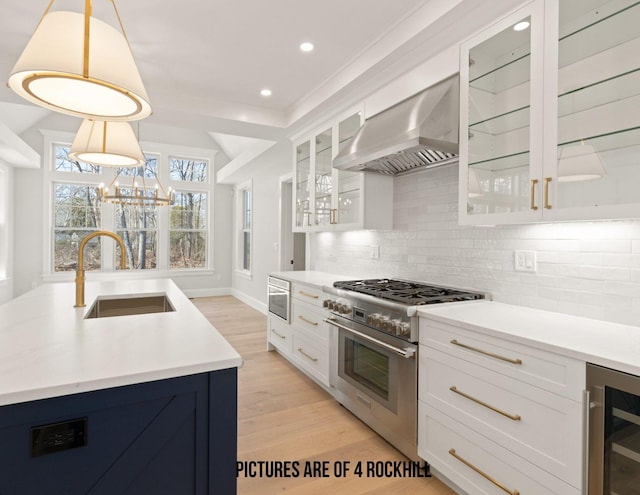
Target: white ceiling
column 204, row 62
column 214, row 56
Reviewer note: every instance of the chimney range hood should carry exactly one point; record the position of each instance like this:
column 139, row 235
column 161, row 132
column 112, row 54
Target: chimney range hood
column 419, row 132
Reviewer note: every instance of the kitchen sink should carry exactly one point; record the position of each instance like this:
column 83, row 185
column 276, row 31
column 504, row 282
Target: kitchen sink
column 104, row 307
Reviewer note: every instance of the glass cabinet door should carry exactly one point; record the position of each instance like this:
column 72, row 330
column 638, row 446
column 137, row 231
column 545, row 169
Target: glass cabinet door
column 323, row 179
column 303, row 185
column 348, row 201
column 598, row 100
column 499, row 121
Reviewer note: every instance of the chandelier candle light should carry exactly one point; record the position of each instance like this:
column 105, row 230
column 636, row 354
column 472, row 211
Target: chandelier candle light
column 79, row 65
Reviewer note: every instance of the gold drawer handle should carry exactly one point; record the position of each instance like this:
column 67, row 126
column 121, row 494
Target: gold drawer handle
column 308, row 356
column 514, row 417
column 312, row 296
column 483, row 474
column 486, row 353
column 281, row 336
column 547, row 206
column 533, row 194
column 308, row 321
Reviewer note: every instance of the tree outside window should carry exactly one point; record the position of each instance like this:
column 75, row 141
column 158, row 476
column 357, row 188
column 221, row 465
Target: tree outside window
column 76, row 214
column 188, row 231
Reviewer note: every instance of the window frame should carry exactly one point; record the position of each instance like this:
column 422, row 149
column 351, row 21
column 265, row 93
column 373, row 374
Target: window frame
column 241, row 228
column 163, row 152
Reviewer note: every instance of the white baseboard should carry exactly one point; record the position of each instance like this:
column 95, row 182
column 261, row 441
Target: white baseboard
column 251, row 301
column 225, row 291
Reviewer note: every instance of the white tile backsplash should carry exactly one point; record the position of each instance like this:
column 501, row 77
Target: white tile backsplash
column 584, row 268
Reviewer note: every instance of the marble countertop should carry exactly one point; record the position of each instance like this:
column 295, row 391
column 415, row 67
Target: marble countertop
column 608, row 344
column 48, row 348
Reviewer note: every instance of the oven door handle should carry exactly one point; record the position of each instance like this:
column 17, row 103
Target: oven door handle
column 405, row 353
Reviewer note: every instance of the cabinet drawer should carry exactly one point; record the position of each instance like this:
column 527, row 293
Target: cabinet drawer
column 552, row 372
column 308, row 294
column 542, row 427
column 312, row 355
column 280, row 335
column 440, row 437
column 310, row 319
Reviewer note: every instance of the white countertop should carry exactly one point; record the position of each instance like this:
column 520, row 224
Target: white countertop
column 48, row 349
column 599, row 342
column 312, row 278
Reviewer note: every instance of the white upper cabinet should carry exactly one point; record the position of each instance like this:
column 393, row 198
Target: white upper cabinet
column 329, row 199
column 550, row 114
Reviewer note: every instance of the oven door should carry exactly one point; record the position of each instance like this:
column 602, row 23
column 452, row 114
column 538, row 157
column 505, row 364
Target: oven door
column 375, row 377
column 278, row 298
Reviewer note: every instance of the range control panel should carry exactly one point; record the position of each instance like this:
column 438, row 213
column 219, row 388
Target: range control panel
column 56, row 437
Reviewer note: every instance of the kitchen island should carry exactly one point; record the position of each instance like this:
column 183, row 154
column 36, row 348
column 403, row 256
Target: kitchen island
column 142, row 403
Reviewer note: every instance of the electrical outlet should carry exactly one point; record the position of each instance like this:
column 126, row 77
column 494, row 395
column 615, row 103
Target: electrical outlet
column 525, row 261
column 375, row 252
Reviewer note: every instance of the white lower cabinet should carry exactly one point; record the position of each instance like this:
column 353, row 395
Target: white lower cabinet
column 491, row 420
column 280, row 335
column 305, row 341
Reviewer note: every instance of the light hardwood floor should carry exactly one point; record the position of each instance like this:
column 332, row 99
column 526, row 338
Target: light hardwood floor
column 284, row 416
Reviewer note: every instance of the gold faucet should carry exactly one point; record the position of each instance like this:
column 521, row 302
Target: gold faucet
column 80, row 278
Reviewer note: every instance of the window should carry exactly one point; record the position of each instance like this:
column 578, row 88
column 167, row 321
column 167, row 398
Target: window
column 244, row 209
column 155, row 238
column 187, row 235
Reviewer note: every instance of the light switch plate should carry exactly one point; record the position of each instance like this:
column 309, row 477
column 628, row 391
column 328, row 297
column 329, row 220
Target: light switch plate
column 525, row 261
column 375, row 252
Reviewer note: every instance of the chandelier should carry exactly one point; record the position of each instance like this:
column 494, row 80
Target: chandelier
column 135, row 192
column 79, row 65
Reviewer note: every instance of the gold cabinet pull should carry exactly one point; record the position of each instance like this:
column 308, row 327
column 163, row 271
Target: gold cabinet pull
column 308, row 321
column 513, row 417
column 483, row 474
column 306, row 294
column 308, row 356
column 333, row 216
column 533, row 194
column 281, row 336
column 546, row 193
column 486, row 353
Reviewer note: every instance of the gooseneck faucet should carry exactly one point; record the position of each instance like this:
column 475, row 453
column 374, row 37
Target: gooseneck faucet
column 80, row 278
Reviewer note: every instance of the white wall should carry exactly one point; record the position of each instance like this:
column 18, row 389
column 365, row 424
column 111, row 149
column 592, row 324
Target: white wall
column 29, row 208
column 6, row 232
column 589, row 268
column 265, row 172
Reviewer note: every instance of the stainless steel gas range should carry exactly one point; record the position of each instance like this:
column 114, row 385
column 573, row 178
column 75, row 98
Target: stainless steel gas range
column 374, row 351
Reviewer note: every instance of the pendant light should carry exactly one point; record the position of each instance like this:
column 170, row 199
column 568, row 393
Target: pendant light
column 108, row 144
column 79, row 65
column 579, row 162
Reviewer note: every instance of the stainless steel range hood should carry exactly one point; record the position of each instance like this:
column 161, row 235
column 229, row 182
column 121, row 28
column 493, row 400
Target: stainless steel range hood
column 419, row 132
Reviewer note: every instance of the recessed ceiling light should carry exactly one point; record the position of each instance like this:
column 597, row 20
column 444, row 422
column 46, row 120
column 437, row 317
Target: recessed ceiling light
column 521, row 26
column 265, row 92
column 306, row 46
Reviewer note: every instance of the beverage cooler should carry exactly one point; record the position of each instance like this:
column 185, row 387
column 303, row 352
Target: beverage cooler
column 614, row 432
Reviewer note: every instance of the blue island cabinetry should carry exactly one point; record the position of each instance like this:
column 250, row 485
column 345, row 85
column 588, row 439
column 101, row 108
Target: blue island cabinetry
column 168, row 437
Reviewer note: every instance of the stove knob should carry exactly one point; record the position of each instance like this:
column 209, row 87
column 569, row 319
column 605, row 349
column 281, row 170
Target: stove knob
column 374, row 319
column 395, row 326
column 346, row 309
column 325, row 303
column 404, row 329
column 384, row 323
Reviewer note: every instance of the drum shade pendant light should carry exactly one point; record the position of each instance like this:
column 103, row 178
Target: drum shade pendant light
column 108, row 144
column 79, row 65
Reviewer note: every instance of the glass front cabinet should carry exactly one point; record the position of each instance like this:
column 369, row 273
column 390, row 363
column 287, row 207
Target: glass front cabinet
column 328, row 199
column 550, row 114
